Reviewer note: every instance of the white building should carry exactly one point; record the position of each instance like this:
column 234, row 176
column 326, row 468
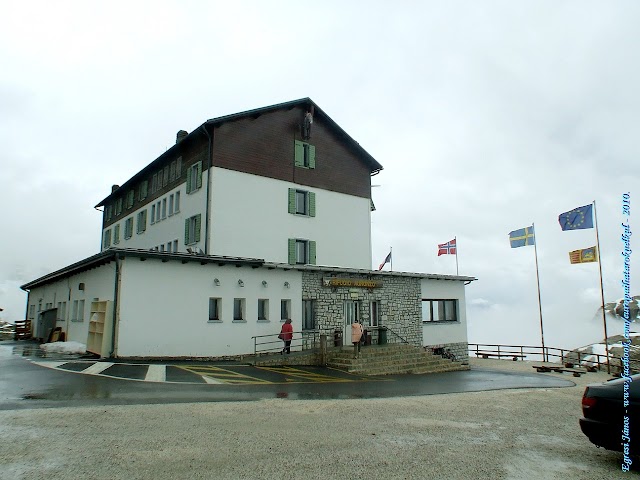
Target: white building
column 248, row 220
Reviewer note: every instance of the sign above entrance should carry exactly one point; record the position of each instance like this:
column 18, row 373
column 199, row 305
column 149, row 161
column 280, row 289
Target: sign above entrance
column 351, row 282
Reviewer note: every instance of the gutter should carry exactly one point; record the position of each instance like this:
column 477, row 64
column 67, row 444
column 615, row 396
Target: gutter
column 116, row 292
column 207, row 225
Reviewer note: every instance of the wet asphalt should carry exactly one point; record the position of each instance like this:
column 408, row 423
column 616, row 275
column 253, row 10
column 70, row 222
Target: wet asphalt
column 30, row 380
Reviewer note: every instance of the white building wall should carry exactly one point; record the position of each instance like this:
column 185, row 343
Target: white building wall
column 434, row 333
column 164, row 308
column 250, row 218
column 99, row 284
column 166, row 229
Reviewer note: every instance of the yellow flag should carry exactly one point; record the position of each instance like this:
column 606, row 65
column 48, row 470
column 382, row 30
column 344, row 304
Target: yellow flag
column 586, row 255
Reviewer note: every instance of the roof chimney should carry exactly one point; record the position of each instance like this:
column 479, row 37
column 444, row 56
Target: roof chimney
column 114, row 188
column 181, row 135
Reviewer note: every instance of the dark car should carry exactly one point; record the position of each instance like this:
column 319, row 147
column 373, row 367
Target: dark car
column 607, row 421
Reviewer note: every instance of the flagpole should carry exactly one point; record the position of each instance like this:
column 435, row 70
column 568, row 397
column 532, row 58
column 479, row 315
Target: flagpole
column 604, row 316
column 391, row 260
column 455, row 240
column 535, row 249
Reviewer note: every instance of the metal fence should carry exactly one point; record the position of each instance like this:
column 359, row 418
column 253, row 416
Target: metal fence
column 551, row 354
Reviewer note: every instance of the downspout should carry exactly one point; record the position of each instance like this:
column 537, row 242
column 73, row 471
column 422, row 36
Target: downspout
column 102, row 229
column 26, row 313
column 116, row 292
column 208, row 205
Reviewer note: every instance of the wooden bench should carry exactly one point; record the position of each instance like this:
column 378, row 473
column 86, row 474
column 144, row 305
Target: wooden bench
column 515, row 356
column 559, row 369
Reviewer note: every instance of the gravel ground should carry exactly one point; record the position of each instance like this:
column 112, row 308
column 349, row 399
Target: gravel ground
column 508, row 434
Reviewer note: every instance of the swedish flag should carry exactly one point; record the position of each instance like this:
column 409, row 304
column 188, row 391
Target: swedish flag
column 576, row 219
column 522, row 238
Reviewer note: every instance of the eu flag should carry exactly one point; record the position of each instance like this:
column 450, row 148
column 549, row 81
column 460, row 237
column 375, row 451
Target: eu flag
column 522, row 238
column 578, row 218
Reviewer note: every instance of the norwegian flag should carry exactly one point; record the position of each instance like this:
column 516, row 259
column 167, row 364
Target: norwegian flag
column 447, row 248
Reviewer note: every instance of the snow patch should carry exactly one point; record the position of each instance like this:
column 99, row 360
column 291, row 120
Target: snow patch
column 64, row 347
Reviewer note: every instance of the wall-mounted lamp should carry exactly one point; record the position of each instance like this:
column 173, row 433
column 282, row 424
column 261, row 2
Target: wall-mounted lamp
column 216, row 282
column 264, row 283
column 241, row 283
column 286, row 285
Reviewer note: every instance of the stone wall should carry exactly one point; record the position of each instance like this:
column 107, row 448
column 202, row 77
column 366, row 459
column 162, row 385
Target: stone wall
column 460, row 350
column 399, row 297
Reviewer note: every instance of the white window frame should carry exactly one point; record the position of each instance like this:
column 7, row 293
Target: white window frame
column 375, row 316
column 239, row 309
column 285, row 309
column 440, row 310
column 263, row 309
column 215, row 307
column 176, row 205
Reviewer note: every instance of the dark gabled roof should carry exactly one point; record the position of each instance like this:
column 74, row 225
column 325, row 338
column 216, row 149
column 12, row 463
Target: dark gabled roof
column 110, row 255
column 374, row 166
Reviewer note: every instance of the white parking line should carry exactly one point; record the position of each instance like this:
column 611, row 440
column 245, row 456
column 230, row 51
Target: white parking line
column 212, row 381
column 97, row 367
column 156, row 373
column 49, row 364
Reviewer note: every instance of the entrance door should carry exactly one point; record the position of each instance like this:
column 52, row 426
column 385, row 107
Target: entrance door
column 351, row 314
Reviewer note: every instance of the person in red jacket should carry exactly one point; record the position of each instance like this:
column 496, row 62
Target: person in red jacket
column 286, row 334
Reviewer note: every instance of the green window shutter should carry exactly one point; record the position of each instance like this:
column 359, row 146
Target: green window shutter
column 292, row 200
column 292, row 251
column 198, row 221
column 116, row 234
column 199, row 179
column 144, row 187
column 299, row 154
column 312, row 156
column 144, row 221
column 312, row 252
column 189, row 180
column 178, row 167
column 312, row 204
column 187, row 240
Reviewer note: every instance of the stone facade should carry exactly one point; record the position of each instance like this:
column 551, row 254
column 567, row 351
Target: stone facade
column 399, row 297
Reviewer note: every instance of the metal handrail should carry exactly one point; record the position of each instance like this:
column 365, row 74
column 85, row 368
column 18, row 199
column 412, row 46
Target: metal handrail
column 402, row 339
column 565, row 355
column 305, row 340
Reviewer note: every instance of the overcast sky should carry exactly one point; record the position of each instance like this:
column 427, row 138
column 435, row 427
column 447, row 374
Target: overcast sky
column 486, row 115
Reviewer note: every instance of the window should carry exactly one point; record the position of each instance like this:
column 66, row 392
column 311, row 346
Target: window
column 48, row 306
column 178, row 167
column 176, row 207
column 238, row 309
column 194, row 177
column 116, row 234
column 118, row 206
column 175, row 246
column 142, row 221
column 78, row 311
column 308, row 315
column 305, row 155
column 172, row 171
column 285, row 309
column 32, row 311
column 130, row 198
column 302, row 252
column 128, row 228
column 170, row 204
column 158, row 210
column 153, row 213
column 192, row 230
column 439, row 310
column 62, row 311
column 374, row 314
column 169, row 247
column 154, row 183
column 164, row 208
column 162, row 247
column 302, row 202
column 143, row 190
column 107, row 239
column 214, row 309
column 108, row 212
column 263, row 309
column 165, row 176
